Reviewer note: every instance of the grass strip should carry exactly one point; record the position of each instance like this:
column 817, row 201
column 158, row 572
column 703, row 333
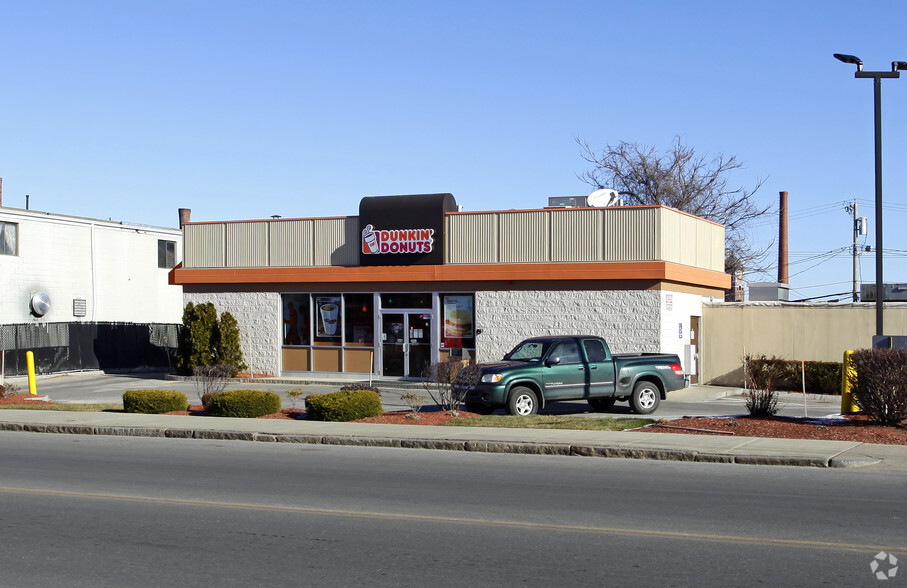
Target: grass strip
column 541, row 421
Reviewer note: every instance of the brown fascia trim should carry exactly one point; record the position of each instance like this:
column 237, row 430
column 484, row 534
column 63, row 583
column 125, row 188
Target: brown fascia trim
column 657, row 271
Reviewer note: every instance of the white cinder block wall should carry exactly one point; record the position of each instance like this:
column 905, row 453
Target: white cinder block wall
column 258, row 317
column 630, row 320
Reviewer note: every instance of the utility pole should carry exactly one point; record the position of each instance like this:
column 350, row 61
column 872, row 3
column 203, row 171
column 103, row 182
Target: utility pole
column 859, row 228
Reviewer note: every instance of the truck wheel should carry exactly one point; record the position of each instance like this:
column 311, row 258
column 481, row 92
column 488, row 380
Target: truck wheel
column 522, row 402
column 602, row 404
column 645, row 397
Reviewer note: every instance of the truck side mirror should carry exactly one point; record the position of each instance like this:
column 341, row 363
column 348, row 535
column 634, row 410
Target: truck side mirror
column 553, row 360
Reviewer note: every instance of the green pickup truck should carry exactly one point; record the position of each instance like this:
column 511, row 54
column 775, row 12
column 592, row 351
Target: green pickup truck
column 550, row 369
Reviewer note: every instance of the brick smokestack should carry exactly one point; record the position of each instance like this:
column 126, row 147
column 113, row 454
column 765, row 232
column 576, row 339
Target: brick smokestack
column 782, row 241
column 1, row 191
column 185, row 215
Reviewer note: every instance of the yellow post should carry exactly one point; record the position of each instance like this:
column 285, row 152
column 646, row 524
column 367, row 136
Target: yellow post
column 848, row 404
column 30, row 362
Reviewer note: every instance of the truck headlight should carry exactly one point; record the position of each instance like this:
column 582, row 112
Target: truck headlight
column 492, row 378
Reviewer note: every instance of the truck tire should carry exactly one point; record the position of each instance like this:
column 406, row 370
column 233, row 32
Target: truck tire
column 602, row 404
column 645, row 398
column 522, row 402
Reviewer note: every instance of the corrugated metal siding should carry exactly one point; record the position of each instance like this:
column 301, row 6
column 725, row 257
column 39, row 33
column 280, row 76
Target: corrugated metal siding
column 576, row 235
column 472, row 238
column 247, row 244
column 292, row 243
column 629, row 234
column 523, row 237
column 337, row 241
column 203, row 245
column 537, row 236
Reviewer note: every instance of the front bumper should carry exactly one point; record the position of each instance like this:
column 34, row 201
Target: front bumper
column 485, row 394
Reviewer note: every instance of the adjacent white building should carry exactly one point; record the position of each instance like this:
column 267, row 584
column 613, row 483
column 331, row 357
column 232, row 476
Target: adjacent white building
column 59, row 271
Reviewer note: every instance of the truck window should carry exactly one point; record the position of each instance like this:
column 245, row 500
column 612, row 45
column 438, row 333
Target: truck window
column 528, row 351
column 568, row 351
column 595, row 350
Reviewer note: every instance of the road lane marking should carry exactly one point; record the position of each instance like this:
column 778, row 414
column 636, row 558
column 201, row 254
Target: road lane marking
column 525, row 525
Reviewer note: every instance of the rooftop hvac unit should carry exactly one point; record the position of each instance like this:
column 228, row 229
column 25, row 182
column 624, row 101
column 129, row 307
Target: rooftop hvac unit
column 890, row 292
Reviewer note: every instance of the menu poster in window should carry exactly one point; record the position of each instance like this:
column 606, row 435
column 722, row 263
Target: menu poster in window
column 457, row 317
column 327, row 315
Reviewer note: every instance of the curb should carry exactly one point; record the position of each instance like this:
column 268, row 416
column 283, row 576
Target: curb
column 488, row 446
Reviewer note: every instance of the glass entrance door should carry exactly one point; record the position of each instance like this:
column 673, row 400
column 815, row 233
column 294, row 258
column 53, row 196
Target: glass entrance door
column 405, row 343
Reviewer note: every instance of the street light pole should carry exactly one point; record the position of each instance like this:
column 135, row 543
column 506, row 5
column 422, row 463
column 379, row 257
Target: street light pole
column 877, row 88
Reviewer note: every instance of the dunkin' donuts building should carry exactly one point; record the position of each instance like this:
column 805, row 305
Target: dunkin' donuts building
column 412, row 280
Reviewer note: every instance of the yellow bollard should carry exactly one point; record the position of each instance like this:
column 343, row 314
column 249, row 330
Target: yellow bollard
column 848, row 403
column 30, row 362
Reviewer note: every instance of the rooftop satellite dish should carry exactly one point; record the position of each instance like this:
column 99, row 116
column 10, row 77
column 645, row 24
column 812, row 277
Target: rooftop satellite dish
column 603, row 197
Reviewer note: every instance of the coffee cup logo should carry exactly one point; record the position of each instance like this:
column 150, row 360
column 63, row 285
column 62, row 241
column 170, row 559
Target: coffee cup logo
column 329, row 314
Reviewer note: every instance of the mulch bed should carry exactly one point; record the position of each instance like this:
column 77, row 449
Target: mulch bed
column 851, row 428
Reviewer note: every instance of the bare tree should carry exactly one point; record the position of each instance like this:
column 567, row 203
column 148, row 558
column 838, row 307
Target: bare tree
column 682, row 179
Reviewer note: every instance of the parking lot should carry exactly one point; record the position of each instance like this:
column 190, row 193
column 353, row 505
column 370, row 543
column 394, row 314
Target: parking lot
column 100, row 387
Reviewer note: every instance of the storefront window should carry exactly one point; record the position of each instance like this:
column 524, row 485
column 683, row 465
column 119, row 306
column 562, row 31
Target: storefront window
column 328, row 319
column 406, row 300
column 295, row 319
column 358, row 312
column 458, row 326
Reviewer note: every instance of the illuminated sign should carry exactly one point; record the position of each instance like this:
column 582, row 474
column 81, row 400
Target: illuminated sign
column 375, row 242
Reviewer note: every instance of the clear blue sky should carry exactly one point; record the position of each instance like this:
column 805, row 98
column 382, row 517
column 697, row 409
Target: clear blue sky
column 239, row 110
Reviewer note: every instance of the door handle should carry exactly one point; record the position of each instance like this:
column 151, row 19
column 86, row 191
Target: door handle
column 593, row 367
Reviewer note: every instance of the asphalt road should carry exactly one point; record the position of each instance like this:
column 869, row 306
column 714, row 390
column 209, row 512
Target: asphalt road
column 117, row 511
column 97, row 387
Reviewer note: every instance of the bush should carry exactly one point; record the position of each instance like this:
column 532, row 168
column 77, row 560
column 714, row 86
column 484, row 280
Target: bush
column 244, row 403
column 211, row 379
column 879, row 384
column 345, row 405
column 228, row 351
column 822, row 377
column 763, row 376
column 154, row 401
column 205, row 341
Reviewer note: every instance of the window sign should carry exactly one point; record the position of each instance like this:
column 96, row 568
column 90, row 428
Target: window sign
column 327, row 317
column 458, row 330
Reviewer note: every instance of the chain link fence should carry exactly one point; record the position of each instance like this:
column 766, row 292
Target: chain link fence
column 63, row 347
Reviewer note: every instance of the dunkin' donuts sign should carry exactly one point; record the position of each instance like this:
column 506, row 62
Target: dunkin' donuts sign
column 403, row 230
column 377, row 242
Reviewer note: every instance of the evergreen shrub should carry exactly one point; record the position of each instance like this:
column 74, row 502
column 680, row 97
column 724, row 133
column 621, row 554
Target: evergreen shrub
column 243, row 403
column 344, row 405
column 879, row 384
column 154, row 401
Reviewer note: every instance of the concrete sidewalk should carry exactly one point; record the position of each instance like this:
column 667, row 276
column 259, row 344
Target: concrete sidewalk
column 634, row 445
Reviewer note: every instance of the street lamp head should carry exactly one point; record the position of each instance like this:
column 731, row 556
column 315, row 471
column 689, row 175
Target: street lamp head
column 898, row 65
column 850, row 59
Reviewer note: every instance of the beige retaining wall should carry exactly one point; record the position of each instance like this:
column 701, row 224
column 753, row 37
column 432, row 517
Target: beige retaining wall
column 795, row 331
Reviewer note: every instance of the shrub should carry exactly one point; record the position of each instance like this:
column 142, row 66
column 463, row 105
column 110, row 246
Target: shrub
column 763, row 376
column 210, row 379
column 344, row 405
column 228, row 351
column 8, row 388
column 204, row 340
column 154, row 401
column 294, row 394
column 447, row 382
column 244, row 403
column 879, row 384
